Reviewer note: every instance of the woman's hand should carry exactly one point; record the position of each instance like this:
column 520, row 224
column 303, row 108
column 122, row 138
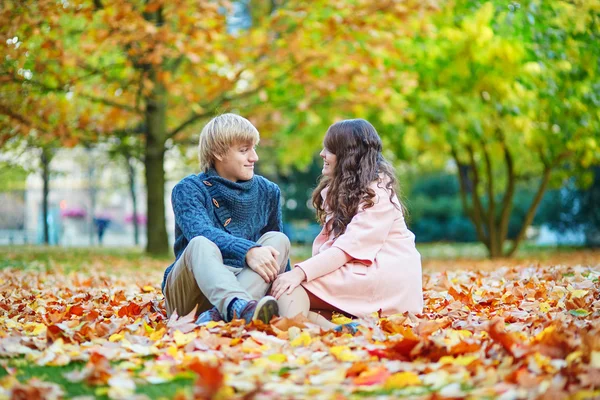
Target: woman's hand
column 287, row 282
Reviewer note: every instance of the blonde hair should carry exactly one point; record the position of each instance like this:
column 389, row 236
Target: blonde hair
column 220, row 134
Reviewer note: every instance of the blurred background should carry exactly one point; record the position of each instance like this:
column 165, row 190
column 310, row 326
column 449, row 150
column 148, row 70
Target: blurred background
column 488, row 109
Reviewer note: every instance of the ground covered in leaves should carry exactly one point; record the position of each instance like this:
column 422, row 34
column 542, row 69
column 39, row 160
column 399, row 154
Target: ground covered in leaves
column 72, row 326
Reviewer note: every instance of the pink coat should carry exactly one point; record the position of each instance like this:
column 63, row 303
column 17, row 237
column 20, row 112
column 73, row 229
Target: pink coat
column 385, row 270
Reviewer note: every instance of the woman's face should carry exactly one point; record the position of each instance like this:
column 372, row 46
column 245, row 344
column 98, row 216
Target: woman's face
column 329, row 161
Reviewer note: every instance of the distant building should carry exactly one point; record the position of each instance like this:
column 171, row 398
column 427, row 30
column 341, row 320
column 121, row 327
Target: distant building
column 84, row 184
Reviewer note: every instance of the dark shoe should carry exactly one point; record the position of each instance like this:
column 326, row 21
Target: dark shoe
column 209, row 315
column 351, row 328
column 262, row 310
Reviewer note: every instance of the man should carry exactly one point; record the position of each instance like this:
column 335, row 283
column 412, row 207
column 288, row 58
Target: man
column 228, row 242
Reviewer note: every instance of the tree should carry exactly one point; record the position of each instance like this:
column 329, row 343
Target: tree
column 38, row 124
column 165, row 66
column 128, row 150
column 508, row 95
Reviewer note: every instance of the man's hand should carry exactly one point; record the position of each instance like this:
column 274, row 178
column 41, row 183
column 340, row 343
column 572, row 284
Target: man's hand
column 263, row 261
column 287, row 282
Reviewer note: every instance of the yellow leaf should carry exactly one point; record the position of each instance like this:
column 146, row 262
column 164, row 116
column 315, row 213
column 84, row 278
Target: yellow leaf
column 172, row 351
column 157, row 335
column 343, row 353
column 340, row 319
column 548, row 330
column 575, row 356
column 595, row 359
column 586, row 394
column 148, row 288
column 147, row 327
column 577, row 294
column 455, row 336
column 402, row 379
column 211, row 324
column 34, row 328
column 545, row 307
column 181, row 339
column 116, row 337
column 278, row 358
column 460, row 360
column 303, row 339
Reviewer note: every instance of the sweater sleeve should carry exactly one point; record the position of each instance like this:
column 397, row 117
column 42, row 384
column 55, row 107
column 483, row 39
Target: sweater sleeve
column 192, row 218
column 275, row 222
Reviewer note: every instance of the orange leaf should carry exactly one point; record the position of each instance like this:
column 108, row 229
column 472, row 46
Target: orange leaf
column 210, row 379
column 507, row 340
column 372, row 377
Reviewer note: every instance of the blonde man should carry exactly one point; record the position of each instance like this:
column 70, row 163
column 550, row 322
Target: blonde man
column 228, row 242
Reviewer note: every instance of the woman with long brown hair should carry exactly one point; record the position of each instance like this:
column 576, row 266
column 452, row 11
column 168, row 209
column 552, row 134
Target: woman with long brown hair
column 364, row 260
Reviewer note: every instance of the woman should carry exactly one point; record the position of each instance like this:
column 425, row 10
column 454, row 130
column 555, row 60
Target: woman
column 364, row 260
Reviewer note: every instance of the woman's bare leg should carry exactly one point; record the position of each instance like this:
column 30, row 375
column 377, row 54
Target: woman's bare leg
column 290, row 305
column 295, row 303
column 301, row 301
column 320, row 320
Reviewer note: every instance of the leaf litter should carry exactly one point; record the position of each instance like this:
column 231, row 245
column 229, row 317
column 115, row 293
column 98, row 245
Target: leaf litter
column 506, row 332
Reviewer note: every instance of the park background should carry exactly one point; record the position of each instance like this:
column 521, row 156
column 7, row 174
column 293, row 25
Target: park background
column 489, row 111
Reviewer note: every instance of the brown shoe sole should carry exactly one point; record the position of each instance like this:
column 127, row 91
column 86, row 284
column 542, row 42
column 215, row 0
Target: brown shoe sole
column 266, row 309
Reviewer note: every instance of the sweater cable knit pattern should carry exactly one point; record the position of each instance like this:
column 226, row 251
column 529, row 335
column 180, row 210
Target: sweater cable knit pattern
column 233, row 215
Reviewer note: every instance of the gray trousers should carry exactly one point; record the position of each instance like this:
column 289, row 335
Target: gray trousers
column 200, row 278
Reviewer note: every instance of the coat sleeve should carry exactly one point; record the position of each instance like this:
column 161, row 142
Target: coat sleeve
column 192, row 218
column 323, row 263
column 364, row 237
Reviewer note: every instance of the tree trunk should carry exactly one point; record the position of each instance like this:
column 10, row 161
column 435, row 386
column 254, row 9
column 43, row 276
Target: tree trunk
column 495, row 249
column 531, row 211
column 136, row 226
column 156, row 134
column 45, row 191
column 92, row 194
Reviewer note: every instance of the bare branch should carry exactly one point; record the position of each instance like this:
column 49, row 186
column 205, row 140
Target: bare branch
column 475, row 218
column 224, row 98
column 89, row 97
column 531, row 211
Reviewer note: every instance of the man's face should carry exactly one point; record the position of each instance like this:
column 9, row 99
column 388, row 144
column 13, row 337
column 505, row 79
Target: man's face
column 238, row 163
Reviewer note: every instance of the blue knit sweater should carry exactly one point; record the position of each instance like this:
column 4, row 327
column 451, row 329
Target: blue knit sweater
column 233, row 215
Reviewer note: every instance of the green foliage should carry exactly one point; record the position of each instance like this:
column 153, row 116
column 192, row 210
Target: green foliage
column 508, row 93
column 12, row 177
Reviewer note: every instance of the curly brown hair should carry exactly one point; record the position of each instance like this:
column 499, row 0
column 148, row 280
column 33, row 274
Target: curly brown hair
column 357, row 146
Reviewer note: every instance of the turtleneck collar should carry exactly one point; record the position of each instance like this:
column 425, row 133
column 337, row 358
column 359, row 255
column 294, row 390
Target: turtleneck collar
column 212, row 176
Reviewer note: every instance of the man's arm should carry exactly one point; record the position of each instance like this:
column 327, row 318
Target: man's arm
column 275, row 222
